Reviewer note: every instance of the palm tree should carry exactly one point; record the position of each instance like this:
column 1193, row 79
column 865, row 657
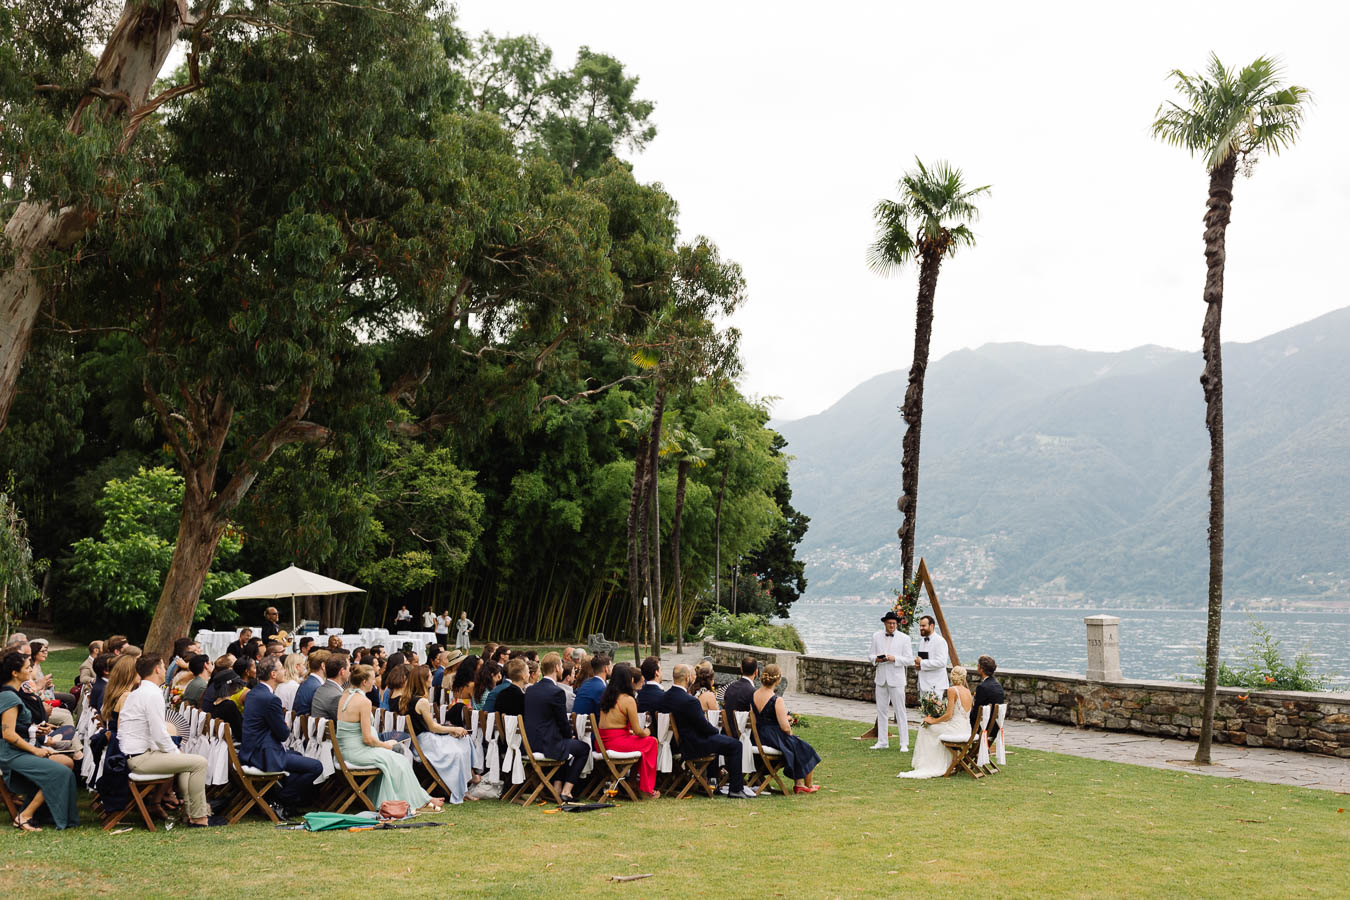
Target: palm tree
column 1229, row 117
column 689, row 453
column 929, row 222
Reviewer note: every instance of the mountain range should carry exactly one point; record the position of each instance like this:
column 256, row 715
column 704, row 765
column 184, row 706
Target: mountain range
column 1054, row 475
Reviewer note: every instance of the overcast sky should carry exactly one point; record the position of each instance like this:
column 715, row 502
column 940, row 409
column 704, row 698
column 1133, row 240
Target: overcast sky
column 781, row 125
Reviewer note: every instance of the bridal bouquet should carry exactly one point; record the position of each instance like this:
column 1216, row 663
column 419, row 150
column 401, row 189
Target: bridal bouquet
column 933, row 705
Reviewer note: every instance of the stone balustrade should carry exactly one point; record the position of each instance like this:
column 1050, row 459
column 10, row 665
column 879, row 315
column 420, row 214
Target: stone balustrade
column 1288, row 720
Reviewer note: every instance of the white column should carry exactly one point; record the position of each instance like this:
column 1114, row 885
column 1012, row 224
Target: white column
column 1103, row 646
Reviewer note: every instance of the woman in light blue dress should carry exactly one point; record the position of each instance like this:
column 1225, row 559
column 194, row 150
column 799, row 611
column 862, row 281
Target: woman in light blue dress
column 462, row 628
column 446, row 747
column 362, row 748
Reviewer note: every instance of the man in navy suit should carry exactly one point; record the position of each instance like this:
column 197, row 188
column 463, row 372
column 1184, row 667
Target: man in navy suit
column 589, row 694
column 304, row 695
column 650, row 696
column 548, row 728
column 263, row 732
column 737, row 696
column 699, row 737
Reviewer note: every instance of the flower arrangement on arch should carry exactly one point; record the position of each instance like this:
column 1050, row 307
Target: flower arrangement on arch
column 907, row 604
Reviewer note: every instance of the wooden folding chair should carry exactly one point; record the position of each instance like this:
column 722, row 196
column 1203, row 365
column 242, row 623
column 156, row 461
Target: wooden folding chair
column 428, row 776
column 356, row 779
column 997, row 713
column 510, row 789
column 253, row 783
column 619, row 762
column 694, row 767
column 541, row 771
column 768, row 760
column 14, row 803
column 965, row 752
column 140, row 787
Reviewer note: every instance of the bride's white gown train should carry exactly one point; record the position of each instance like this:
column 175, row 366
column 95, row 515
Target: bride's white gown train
column 930, row 757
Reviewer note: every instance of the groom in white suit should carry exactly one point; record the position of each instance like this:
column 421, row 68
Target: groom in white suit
column 891, row 654
column 931, row 658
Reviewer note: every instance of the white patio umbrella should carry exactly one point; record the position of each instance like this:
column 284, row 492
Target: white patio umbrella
column 291, row 582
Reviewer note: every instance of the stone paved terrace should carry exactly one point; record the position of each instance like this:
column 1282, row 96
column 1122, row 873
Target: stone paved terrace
column 1229, row 760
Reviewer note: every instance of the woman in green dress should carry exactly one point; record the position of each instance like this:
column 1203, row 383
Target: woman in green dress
column 29, row 769
column 362, row 748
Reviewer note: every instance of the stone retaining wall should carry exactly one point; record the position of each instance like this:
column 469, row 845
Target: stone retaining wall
column 1288, row 720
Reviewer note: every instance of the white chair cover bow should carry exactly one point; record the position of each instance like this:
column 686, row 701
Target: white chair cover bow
column 318, row 747
column 983, row 759
column 512, row 759
column 217, row 756
column 582, row 723
column 747, row 742
column 492, row 750
column 999, row 756
column 665, row 757
column 476, row 737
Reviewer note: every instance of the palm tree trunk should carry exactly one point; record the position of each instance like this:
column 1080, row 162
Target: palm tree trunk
column 717, row 529
column 913, row 409
column 681, row 478
column 1217, row 215
column 654, row 470
column 634, row 509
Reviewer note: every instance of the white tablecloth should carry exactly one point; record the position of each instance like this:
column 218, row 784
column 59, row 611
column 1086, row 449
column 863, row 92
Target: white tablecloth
column 419, row 640
column 214, row 643
column 373, row 636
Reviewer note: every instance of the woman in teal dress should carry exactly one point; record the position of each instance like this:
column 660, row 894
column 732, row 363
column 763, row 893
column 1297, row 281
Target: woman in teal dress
column 362, row 747
column 49, row 778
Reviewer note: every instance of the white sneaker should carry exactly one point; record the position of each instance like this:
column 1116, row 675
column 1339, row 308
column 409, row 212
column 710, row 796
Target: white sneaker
column 904, row 749
column 745, row 793
column 879, row 746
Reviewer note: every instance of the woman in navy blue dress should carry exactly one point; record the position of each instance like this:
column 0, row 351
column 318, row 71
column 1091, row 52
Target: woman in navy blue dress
column 775, row 730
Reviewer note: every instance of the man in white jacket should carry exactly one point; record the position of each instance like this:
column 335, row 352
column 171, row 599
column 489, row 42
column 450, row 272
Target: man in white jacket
column 891, row 654
column 931, row 658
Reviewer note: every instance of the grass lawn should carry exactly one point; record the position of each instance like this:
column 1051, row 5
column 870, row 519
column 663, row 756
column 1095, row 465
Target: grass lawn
column 1048, row 826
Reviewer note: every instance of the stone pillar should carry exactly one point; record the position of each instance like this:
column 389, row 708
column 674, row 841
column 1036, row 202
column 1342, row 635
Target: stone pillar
column 1103, row 646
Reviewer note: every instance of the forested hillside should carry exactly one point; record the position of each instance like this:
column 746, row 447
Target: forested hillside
column 1062, row 474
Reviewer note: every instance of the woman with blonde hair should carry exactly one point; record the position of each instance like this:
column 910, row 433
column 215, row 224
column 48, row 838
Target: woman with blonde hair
column 297, row 670
column 930, row 758
column 362, row 747
column 704, row 688
column 122, row 680
column 775, row 730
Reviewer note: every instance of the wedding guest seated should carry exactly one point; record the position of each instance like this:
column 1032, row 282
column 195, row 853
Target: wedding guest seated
column 307, row 645
column 59, row 703
column 567, row 679
column 622, row 731
column 447, row 747
column 337, row 671
column 101, row 667
column 236, row 647
column 151, row 750
column 649, row 697
column 591, row 690
column 334, row 643
column 548, row 729
column 775, row 730
column 699, row 737
column 737, row 696
column 47, row 778
column 501, row 654
column 304, row 695
column 296, row 669
column 274, row 648
column 224, row 694
column 262, row 740
column 395, row 681
column 362, row 747
column 510, row 699
column 200, row 668
column 532, row 670
column 86, row 677
column 489, row 675
column 988, row 693
column 489, row 649
column 183, row 649
column 490, row 698
column 704, row 688
column 115, row 644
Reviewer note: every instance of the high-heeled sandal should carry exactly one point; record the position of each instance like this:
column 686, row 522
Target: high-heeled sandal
column 26, row 825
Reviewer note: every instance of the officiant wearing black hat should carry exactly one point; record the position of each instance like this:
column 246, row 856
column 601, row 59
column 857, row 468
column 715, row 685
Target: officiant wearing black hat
column 891, row 654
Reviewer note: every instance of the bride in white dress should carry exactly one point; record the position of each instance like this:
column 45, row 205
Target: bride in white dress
column 931, row 759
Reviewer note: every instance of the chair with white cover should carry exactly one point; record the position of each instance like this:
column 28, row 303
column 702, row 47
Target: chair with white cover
column 619, row 762
column 355, row 781
column 140, row 785
column 768, row 761
column 965, row 749
column 998, row 714
column 542, row 771
column 253, row 783
column 694, row 769
column 513, row 771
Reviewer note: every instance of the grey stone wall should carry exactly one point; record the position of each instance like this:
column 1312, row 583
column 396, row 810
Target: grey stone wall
column 1288, row 720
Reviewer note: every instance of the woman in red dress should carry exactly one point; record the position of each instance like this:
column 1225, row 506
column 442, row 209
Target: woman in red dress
column 622, row 730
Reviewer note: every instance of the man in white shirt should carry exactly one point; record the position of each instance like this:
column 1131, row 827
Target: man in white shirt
column 428, row 621
column 931, row 658
column 403, row 616
column 891, row 653
column 149, row 749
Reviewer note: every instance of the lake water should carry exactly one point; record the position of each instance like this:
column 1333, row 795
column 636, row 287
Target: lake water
column 1158, row 644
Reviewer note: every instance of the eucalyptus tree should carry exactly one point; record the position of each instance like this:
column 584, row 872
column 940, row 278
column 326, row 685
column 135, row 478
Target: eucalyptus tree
column 1229, row 117
column 929, row 222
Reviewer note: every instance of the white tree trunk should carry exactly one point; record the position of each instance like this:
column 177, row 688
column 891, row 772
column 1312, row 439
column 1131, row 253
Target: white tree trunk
column 130, row 64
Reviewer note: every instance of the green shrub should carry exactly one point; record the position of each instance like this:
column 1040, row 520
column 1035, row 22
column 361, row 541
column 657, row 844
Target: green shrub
column 750, row 628
column 1261, row 667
